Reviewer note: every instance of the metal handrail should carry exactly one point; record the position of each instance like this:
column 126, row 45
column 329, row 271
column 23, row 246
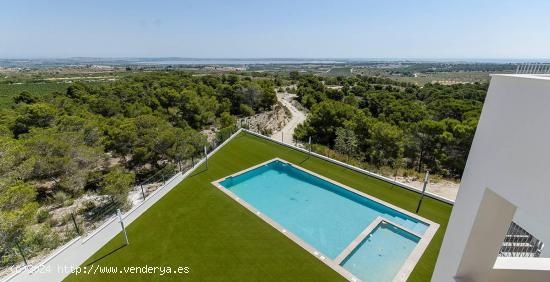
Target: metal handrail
column 520, row 243
column 534, row 68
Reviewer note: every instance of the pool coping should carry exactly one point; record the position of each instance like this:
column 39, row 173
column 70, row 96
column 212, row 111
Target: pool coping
column 355, row 243
column 405, row 269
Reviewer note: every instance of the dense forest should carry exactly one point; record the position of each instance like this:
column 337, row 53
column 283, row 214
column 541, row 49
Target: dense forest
column 103, row 138
column 388, row 123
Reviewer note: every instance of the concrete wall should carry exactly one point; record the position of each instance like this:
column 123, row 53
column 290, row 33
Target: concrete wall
column 521, row 269
column 510, row 155
column 492, row 221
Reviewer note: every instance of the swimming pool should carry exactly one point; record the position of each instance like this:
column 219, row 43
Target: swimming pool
column 327, row 217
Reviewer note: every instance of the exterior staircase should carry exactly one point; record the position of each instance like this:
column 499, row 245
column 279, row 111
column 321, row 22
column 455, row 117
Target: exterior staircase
column 520, row 243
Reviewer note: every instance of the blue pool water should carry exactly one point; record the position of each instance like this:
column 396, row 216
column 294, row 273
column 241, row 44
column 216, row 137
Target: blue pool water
column 324, row 215
column 380, row 256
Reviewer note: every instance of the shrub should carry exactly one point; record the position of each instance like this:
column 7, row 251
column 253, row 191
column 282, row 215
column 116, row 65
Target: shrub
column 117, row 183
column 42, row 215
column 68, row 202
column 246, row 110
column 60, row 197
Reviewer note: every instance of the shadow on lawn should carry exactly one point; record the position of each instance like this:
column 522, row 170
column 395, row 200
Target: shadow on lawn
column 106, row 255
column 197, row 172
column 303, row 161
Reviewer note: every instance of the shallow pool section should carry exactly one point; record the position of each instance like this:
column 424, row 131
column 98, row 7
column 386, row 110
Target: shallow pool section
column 381, row 254
column 357, row 235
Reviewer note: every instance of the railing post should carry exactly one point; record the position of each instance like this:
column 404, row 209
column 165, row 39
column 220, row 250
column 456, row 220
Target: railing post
column 122, row 225
column 75, row 225
column 426, row 178
column 142, row 191
column 282, row 137
column 310, row 145
column 21, row 252
column 206, row 157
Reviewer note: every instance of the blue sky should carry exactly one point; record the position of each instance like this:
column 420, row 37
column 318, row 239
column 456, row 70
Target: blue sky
column 269, row 29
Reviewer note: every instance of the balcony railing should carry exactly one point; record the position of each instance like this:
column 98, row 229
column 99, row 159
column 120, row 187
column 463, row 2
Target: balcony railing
column 533, row 69
column 520, row 243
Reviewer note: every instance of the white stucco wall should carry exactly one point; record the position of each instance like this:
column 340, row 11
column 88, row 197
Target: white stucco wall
column 511, row 156
column 520, row 269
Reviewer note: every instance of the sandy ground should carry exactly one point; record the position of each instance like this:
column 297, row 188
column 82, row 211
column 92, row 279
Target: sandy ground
column 298, row 116
column 444, row 188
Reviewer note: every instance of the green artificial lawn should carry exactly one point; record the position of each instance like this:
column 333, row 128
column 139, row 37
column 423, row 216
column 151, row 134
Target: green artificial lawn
column 198, row 226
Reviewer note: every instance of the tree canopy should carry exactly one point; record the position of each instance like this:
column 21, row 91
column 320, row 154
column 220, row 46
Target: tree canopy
column 103, row 137
column 429, row 127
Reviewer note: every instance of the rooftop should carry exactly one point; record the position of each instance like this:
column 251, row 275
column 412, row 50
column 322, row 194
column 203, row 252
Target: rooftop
column 530, row 76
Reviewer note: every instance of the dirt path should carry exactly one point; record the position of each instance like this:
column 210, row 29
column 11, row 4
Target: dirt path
column 298, row 116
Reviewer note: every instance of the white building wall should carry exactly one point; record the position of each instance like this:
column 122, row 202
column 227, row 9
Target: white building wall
column 510, row 155
column 520, row 269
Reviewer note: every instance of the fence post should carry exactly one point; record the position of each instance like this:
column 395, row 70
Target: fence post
column 206, row 156
column 423, row 190
column 75, row 225
column 142, row 191
column 21, row 252
column 310, row 145
column 122, row 225
column 282, row 137
column 193, row 161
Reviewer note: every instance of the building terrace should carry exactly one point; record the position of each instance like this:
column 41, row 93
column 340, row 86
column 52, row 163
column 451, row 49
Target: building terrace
column 197, row 226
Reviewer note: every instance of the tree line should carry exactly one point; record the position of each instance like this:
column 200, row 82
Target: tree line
column 392, row 123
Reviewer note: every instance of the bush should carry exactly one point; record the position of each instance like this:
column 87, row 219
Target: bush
column 266, row 132
column 66, row 218
column 117, row 183
column 68, row 202
column 227, row 120
column 53, row 222
column 225, row 133
column 60, row 197
column 37, row 240
column 42, row 215
column 246, row 110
